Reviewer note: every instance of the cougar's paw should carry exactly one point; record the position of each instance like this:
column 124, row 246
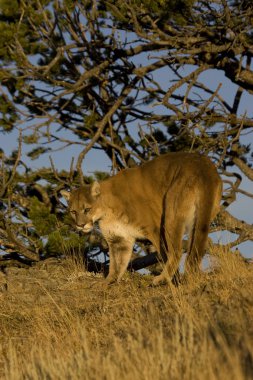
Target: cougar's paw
column 179, row 279
column 110, row 281
column 159, row 280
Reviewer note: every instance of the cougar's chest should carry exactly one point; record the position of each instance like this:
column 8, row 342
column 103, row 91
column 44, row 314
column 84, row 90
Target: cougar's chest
column 121, row 228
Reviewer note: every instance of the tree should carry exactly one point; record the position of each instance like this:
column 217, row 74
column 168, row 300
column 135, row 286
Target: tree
column 89, row 73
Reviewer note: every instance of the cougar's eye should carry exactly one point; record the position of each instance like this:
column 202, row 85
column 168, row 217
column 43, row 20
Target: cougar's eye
column 87, row 209
column 73, row 212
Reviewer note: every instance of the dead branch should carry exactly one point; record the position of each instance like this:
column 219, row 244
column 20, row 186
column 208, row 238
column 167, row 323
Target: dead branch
column 101, row 125
column 6, row 183
column 18, row 244
column 248, row 171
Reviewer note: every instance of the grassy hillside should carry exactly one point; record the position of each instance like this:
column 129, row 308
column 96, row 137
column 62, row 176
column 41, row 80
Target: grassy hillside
column 58, row 322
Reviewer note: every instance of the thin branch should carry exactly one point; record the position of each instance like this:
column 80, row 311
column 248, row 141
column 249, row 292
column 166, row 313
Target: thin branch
column 5, row 185
column 102, row 124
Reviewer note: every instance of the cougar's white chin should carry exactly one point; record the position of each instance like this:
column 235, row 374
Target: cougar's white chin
column 86, row 229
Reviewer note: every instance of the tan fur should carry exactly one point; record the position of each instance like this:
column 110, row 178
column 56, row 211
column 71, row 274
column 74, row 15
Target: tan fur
column 159, row 201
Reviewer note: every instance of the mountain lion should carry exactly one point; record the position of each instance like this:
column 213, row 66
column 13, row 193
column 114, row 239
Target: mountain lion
column 161, row 200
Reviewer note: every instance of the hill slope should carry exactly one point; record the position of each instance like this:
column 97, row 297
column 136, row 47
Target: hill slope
column 58, row 322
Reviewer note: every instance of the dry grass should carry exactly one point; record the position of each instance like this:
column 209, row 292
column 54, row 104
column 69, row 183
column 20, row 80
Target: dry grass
column 60, row 323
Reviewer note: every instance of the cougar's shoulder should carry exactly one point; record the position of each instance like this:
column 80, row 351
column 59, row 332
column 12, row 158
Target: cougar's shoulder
column 120, row 209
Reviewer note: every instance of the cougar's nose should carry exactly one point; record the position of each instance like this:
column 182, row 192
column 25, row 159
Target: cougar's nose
column 80, row 225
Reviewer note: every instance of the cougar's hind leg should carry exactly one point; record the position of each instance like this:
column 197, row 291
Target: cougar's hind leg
column 120, row 251
column 171, row 243
column 179, row 212
column 206, row 210
column 197, row 244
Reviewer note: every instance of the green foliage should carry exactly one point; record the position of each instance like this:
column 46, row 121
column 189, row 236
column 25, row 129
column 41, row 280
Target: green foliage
column 36, row 152
column 8, row 114
column 15, row 26
column 63, row 242
column 59, row 238
column 163, row 10
column 170, row 9
column 8, row 25
column 90, row 120
column 101, row 176
column 243, row 4
column 31, row 139
column 43, row 221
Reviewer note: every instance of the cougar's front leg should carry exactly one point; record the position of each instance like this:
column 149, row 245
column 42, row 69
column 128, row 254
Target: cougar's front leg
column 120, row 251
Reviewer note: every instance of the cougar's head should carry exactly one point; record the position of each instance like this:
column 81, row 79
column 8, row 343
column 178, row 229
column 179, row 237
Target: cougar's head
column 82, row 204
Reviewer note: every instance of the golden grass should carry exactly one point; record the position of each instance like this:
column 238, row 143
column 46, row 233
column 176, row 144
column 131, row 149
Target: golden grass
column 62, row 324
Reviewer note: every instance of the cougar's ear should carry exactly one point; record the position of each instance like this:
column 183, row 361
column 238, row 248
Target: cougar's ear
column 65, row 194
column 95, row 189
